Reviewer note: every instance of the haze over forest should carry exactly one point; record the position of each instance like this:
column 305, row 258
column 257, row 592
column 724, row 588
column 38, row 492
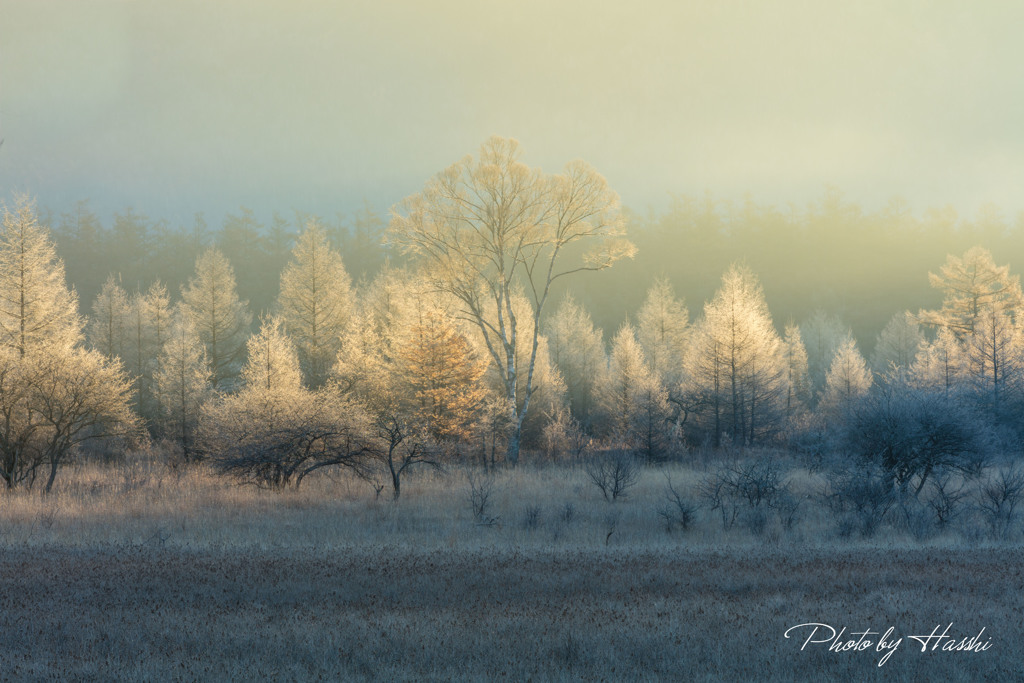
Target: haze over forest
column 848, row 150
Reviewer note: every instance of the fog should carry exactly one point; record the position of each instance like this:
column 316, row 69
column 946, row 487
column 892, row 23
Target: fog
column 180, row 107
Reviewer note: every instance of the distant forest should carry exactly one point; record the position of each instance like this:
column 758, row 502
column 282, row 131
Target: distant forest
column 831, row 255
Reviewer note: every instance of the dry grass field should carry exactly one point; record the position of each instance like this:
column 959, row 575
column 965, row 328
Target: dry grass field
column 145, row 573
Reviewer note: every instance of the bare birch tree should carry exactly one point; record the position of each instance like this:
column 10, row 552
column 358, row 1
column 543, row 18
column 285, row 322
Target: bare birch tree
column 485, row 226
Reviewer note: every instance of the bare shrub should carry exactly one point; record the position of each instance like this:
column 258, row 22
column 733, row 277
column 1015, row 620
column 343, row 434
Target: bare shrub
column 677, row 510
column 568, row 513
column 531, row 517
column 481, row 491
column 997, row 500
column 614, row 474
column 945, row 499
column 747, row 491
column 860, row 500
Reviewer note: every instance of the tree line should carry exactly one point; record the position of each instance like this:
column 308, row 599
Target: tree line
column 459, row 352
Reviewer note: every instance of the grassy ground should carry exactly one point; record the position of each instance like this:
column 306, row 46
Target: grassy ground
column 143, row 573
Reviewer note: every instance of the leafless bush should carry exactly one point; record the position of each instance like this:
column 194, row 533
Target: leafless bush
column 945, row 499
column 747, row 490
column 677, row 510
column 531, row 517
column 481, row 490
column 860, row 500
column 614, row 473
column 568, row 513
column 997, row 500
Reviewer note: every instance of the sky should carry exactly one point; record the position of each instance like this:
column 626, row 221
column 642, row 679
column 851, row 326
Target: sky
column 178, row 107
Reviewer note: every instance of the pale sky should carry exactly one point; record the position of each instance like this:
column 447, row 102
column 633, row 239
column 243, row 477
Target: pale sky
column 175, row 107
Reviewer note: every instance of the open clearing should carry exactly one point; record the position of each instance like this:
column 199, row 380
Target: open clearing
column 143, row 575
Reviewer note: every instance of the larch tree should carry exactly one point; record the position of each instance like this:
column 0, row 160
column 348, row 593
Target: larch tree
column 485, row 225
column 897, row 344
column 412, row 368
column 182, row 382
column 940, row 365
column 149, row 319
column 577, row 350
column 847, row 381
column 56, row 395
column 971, row 285
column 108, row 329
column 822, row 335
column 222, row 321
column 995, row 358
column 661, row 330
column 315, row 302
column 736, row 366
column 798, row 381
column 632, row 399
column 36, row 307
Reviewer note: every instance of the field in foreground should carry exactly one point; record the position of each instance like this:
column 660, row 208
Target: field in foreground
column 477, row 615
column 141, row 574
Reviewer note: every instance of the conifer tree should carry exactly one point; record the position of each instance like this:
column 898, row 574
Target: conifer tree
column 315, row 302
column 221, row 320
column 182, row 382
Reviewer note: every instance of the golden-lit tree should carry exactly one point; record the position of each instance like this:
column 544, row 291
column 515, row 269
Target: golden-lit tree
column 315, row 302
column 108, row 330
column 221, row 320
column 484, row 225
column 182, row 382
column 972, row 284
column 736, row 365
column 576, row 348
column 847, row 381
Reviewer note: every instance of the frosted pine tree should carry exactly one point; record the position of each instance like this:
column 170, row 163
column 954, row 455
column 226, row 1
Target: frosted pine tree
column 182, row 382
column 576, row 347
column 36, row 307
column 315, row 302
column 108, row 329
column 221, row 320
column 847, row 381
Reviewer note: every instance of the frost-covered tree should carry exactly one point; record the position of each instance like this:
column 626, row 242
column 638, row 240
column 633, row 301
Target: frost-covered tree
column 897, row 344
column 548, row 389
column 798, row 382
column 822, row 335
column 54, row 395
column 633, row 402
column 108, row 330
column 736, row 365
column 273, row 431
column 36, row 307
column 315, row 302
column 847, row 381
column 971, row 285
column 221, row 320
column 576, row 347
column 485, row 225
column 148, row 323
column 940, row 365
column 272, row 363
column 995, row 358
column 661, row 330
column 182, row 382
column 415, row 372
